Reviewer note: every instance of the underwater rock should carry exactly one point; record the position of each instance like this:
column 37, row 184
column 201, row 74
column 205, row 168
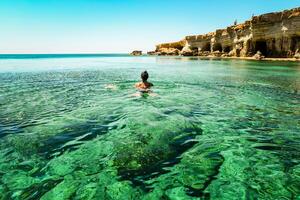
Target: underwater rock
column 178, row 193
column 25, row 145
column 142, row 152
column 3, row 194
column 62, row 166
column 39, row 188
column 254, row 176
column 156, row 193
column 140, row 162
column 64, row 190
column 104, row 180
column 87, row 192
column 200, row 175
column 64, row 141
column 17, row 180
column 195, row 172
column 121, row 191
column 83, row 159
column 294, row 180
column 64, row 137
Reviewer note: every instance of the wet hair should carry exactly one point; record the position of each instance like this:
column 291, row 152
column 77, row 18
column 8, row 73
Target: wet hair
column 144, row 76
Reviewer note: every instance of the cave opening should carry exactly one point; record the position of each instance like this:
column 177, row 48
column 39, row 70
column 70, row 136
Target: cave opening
column 227, row 49
column 262, row 47
column 179, row 47
column 217, row 47
column 206, row 47
column 194, row 48
column 295, row 43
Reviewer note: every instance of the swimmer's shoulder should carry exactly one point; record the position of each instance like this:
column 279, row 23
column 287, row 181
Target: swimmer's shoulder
column 149, row 84
column 137, row 84
column 143, row 85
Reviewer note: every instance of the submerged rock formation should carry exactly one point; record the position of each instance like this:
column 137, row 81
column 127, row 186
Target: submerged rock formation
column 274, row 35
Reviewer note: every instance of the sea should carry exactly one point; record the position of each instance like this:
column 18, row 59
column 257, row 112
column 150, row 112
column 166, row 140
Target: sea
column 72, row 126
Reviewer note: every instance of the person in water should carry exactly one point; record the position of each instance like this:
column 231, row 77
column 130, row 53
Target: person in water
column 144, row 86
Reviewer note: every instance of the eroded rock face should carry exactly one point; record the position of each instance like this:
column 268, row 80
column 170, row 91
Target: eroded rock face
column 274, row 35
column 186, row 51
column 168, row 52
column 169, row 49
column 177, row 45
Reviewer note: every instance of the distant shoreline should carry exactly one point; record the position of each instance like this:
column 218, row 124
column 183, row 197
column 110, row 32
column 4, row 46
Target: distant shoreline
column 228, row 58
column 95, row 55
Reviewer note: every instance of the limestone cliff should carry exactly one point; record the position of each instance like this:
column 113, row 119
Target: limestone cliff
column 273, row 35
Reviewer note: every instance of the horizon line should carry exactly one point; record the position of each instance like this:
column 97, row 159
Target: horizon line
column 61, row 53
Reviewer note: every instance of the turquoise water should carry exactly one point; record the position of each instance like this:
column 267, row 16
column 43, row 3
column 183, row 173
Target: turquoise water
column 71, row 128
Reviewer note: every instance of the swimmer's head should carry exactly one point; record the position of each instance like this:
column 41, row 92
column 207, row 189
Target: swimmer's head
column 144, row 76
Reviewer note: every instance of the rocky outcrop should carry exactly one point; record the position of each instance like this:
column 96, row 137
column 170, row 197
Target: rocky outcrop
column 169, row 49
column 151, row 53
column 259, row 56
column 176, row 45
column 273, row 35
column 136, row 53
column 297, row 54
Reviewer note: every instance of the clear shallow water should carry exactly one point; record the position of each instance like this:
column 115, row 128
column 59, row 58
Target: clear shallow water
column 216, row 130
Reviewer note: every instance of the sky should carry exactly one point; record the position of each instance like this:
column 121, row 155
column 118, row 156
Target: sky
column 117, row 26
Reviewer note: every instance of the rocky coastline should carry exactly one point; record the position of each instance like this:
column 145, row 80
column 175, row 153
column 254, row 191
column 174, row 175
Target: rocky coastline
column 271, row 36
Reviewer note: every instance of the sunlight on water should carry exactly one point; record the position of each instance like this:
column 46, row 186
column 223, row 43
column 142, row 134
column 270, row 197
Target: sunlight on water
column 217, row 129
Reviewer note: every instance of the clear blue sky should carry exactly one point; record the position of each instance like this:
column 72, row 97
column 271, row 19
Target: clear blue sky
column 98, row 26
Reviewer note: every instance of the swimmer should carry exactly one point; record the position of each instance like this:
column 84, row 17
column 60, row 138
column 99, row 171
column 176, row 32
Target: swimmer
column 111, row 87
column 144, row 86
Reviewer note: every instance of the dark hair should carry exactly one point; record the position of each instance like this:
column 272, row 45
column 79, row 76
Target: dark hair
column 144, row 76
